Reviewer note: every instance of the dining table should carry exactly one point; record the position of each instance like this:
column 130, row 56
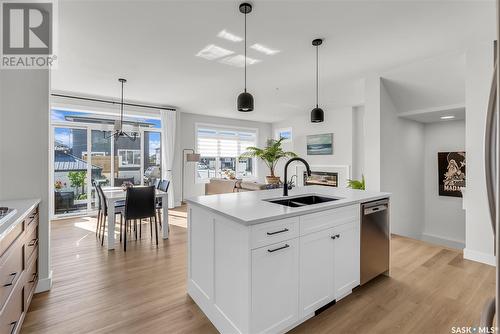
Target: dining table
column 115, row 194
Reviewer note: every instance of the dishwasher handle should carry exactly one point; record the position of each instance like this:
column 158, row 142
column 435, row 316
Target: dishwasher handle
column 375, row 209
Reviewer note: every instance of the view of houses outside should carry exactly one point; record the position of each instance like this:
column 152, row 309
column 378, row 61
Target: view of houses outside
column 72, row 158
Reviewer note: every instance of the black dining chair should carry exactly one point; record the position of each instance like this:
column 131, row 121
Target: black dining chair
column 103, row 212
column 163, row 186
column 140, row 204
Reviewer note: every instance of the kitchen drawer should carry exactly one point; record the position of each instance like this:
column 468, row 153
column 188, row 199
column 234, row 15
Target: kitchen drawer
column 31, row 241
column 32, row 217
column 10, row 318
column 31, row 276
column 11, row 267
column 10, row 237
column 327, row 219
column 268, row 233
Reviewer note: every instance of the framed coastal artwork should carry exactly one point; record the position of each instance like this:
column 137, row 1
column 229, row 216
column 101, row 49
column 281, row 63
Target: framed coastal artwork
column 320, row 144
column 451, row 167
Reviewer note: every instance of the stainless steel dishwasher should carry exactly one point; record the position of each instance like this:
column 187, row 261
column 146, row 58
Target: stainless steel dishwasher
column 375, row 239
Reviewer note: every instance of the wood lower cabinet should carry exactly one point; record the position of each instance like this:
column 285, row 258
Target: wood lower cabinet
column 18, row 272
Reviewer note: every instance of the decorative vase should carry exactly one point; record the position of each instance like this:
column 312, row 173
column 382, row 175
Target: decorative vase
column 272, row 179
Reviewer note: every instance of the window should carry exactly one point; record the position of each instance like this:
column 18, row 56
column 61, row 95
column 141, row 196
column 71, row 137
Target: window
column 83, row 153
column 220, row 149
column 285, row 133
column 129, row 158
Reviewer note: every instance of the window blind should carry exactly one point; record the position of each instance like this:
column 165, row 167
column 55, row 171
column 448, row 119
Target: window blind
column 221, row 142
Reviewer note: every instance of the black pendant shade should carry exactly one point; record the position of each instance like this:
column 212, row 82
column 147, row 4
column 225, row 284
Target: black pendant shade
column 317, row 114
column 245, row 99
column 245, row 102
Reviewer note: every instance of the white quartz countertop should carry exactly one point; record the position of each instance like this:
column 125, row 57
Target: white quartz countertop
column 250, row 208
column 23, row 207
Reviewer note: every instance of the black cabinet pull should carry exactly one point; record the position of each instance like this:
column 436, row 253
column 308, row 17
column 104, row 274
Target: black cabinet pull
column 33, row 242
column 277, row 232
column 35, row 276
column 13, row 326
column 333, row 237
column 338, row 236
column 13, row 277
column 279, row 248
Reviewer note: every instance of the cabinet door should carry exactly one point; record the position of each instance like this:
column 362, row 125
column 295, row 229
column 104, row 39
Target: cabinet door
column 346, row 259
column 275, row 286
column 316, row 271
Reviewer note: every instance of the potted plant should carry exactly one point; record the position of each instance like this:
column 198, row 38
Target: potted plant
column 356, row 184
column 271, row 154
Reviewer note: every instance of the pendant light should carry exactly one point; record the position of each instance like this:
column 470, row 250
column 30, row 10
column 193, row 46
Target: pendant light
column 245, row 99
column 317, row 114
column 118, row 128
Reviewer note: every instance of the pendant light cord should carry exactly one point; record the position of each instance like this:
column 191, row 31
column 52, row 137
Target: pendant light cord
column 121, row 111
column 317, row 81
column 245, row 52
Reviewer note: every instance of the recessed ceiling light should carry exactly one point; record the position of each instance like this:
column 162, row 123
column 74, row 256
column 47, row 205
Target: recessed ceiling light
column 239, row 61
column 229, row 36
column 448, row 117
column 264, row 49
column 212, row 52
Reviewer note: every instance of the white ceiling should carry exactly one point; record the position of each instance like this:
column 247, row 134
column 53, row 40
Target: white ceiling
column 437, row 114
column 428, row 83
column 154, row 45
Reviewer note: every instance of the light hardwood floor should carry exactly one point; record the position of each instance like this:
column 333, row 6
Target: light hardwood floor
column 430, row 290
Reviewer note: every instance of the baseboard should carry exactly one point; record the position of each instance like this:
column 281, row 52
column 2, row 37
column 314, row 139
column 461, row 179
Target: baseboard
column 447, row 242
column 479, row 257
column 44, row 284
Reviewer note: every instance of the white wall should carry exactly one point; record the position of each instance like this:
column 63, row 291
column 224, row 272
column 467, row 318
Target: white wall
column 186, row 139
column 24, row 149
column 358, row 142
column 401, row 158
column 372, row 142
column 444, row 216
column 479, row 71
column 337, row 121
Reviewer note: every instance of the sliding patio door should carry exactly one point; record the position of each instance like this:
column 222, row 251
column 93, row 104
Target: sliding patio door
column 70, row 170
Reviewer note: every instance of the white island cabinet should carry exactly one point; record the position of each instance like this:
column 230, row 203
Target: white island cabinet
column 268, row 269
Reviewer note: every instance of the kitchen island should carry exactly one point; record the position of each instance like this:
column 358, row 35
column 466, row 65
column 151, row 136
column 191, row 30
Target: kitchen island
column 259, row 262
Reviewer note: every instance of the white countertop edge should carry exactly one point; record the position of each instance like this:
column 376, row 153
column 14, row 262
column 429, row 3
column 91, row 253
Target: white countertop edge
column 23, row 207
column 293, row 212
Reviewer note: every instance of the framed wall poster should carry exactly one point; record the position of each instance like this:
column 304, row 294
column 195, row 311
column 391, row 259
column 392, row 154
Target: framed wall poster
column 451, row 169
column 320, row 144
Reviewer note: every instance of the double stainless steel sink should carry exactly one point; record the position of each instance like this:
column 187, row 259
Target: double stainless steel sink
column 296, row 202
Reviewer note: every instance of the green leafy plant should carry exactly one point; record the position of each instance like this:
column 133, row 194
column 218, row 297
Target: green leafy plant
column 77, row 179
column 356, row 184
column 271, row 154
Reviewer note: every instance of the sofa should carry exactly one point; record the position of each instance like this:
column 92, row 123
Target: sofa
column 224, row 186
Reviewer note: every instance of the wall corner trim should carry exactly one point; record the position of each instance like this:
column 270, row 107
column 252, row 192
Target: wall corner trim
column 479, row 257
column 44, row 284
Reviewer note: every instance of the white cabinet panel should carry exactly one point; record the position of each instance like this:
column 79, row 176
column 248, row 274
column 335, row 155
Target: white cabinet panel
column 275, row 231
column 275, row 287
column 201, row 253
column 327, row 219
column 316, row 271
column 346, row 259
